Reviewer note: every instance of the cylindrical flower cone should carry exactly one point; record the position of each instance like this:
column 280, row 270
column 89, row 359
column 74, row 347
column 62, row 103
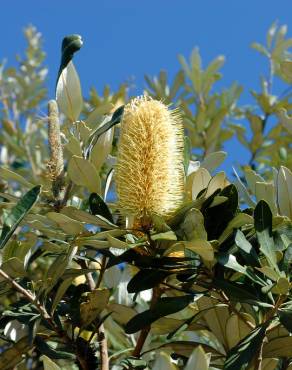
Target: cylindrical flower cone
column 149, row 171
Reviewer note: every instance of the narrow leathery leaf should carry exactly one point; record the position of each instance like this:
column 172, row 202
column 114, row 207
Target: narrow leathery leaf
column 45, row 349
column 245, row 350
column 278, row 347
column 49, row 364
column 237, row 328
column 17, row 213
column 163, row 307
column 263, row 225
column 266, row 191
column 185, row 348
column 213, row 160
column 285, row 316
column 82, row 216
column 198, row 360
column 96, row 301
column 246, row 249
column 116, row 118
column 60, row 292
column 68, row 93
column 202, row 247
column 7, row 174
column 163, row 361
column 70, row 45
column 121, row 313
column 83, row 173
column 99, row 207
column 13, row 355
column 238, row 221
column 69, row 225
column 284, row 189
column 146, row 279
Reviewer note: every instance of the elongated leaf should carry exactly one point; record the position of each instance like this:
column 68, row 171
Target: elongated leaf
column 49, row 364
column 164, row 306
column 45, row 349
column 245, row 350
column 99, row 207
column 263, row 225
column 17, row 213
column 83, row 173
column 146, row 279
column 285, row 316
column 68, row 93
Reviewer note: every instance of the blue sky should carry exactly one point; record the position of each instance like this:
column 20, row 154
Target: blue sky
column 123, row 40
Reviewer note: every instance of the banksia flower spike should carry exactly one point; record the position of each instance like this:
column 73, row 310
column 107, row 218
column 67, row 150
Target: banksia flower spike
column 149, row 171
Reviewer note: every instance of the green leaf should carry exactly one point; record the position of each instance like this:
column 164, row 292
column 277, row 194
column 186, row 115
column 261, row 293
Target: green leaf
column 96, row 301
column 263, row 225
column 164, row 306
column 285, row 316
column 68, row 93
column 243, row 353
column 45, row 349
column 99, row 207
column 49, row 364
column 17, row 214
column 246, row 249
column 116, row 118
column 83, row 173
column 146, row 279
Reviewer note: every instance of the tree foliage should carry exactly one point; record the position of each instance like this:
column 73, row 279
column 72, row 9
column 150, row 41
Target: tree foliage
column 208, row 287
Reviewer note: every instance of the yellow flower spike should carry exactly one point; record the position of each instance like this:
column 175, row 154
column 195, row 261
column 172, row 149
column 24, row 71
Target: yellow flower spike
column 149, row 171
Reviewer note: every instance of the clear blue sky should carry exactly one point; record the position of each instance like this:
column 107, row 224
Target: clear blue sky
column 126, row 39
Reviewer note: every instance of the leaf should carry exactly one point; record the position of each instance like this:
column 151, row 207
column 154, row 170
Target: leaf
column 285, row 120
column 237, row 329
column 121, row 313
column 70, row 226
column 17, row 213
column 286, row 69
column 68, row 93
column 213, row 160
column 146, row 279
column 99, row 207
column 164, row 306
column 60, row 292
column 284, row 189
column 116, row 118
column 45, row 349
column 83, row 173
column 49, row 364
column 198, row 360
column 7, row 174
column 243, row 353
column 202, row 247
column 238, row 221
column 13, row 355
column 278, row 347
column 263, row 226
column 199, row 180
column 193, row 227
column 82, row 216
column 285, row 316
column 96, row 301
column 266, row 191
column 246, row 249
column 163, row 361
column 102, row 148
